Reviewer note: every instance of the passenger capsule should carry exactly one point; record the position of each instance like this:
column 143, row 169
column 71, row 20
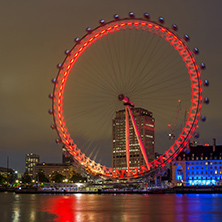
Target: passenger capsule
column 116, row 16
column 203, row 118
column 51, row 96
column 202, row 66
column 187, row 150
column 102, row 21
column 131, row 15
column 186, row 38
column 206, row 82
column 196, row 135
column 53, row 80
column 67, row 52
column 77, row 40
column 58, row 141
column 146, row 15
column 206, row 100
column 175, row 27
column 52, row 126
column 161, row 20
column 59, row 66
column 196, row 51
column 89, row 30
column 50, row 111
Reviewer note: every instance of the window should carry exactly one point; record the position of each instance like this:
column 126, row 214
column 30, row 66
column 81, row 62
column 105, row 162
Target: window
column 179, row 173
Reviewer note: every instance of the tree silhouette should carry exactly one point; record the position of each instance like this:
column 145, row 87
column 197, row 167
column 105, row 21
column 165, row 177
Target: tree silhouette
column 41, row 177
column 26, row 178
column 2, row 179
column 57, row 177
column 77, row 177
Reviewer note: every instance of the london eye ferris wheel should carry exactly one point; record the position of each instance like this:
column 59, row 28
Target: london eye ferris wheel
column 122, row 64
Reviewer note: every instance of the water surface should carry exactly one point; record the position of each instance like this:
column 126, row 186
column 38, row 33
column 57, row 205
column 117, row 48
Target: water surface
column 110, row 208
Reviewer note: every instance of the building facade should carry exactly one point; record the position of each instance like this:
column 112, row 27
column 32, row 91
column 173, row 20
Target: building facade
column 200, row 167
column 146, row 126
column 30, row 162
column 50, row 168
column 7, row 172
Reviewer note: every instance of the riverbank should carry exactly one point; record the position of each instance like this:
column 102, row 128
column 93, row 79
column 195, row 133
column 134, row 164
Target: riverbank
column 197, row 190
column 174, row 190
column 34, row 191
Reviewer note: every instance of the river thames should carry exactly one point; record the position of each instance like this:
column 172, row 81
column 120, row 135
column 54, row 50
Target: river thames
column 110, row 208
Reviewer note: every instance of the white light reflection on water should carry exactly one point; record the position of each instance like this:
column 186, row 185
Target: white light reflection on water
column 16, row 211
column 110, row 208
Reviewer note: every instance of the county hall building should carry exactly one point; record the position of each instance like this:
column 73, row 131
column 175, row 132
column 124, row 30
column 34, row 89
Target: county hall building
column 202, row 166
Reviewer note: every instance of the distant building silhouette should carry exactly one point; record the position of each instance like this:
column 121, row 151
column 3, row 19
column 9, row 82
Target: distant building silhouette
column 4, row 171
column 146, row 126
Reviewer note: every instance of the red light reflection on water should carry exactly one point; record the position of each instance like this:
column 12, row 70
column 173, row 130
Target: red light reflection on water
column 61, row 207
column 128, row 208
column 125, row 208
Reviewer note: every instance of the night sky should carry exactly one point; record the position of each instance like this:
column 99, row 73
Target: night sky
column 34, row 36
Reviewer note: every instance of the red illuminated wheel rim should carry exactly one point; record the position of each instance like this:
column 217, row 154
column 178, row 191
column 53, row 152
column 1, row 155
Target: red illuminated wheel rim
column 75, row 53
